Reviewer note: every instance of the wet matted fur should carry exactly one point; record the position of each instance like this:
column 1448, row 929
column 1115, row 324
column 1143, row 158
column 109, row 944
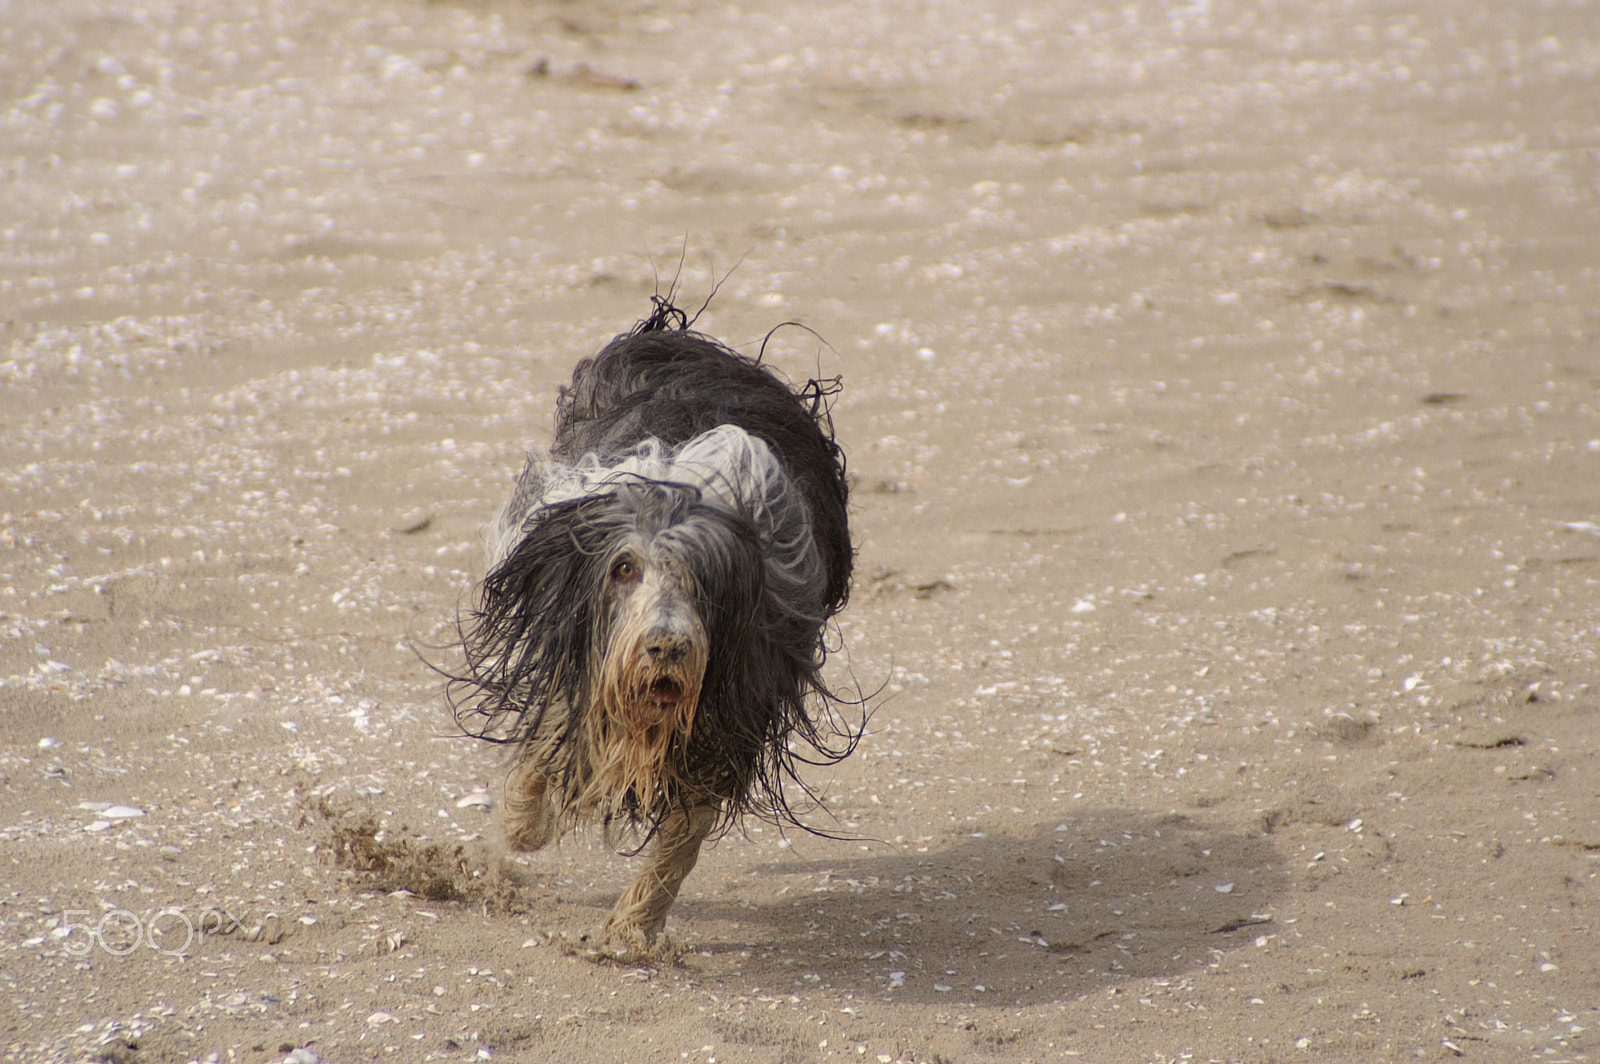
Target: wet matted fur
column 650, row 634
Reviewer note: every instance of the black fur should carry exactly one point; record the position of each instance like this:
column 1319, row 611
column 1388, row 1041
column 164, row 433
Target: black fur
column 673, row 384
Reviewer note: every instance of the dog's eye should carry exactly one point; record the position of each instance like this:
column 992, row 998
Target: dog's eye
column 624, row 571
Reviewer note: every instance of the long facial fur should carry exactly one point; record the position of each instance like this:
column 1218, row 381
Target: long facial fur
column 648, row 687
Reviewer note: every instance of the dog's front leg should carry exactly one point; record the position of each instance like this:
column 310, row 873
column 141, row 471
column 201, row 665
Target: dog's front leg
column 641, row 912
column 527, row 808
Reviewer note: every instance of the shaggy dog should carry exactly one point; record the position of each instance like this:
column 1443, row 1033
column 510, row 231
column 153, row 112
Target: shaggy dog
column 649, row 636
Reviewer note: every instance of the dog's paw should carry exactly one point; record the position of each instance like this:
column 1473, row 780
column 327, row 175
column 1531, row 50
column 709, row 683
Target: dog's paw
column 629, row 944
column 627, row 941
column 526, row 812
column 612, row 956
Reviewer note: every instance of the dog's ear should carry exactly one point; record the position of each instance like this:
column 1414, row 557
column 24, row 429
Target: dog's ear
column 729, row 579
column 530, row 639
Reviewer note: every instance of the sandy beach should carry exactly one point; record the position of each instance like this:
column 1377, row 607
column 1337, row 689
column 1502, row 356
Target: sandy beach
column 1221, row 396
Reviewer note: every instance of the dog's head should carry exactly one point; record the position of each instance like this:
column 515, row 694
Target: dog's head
column 650, row 629
column 656, row 656
column 619, row 609
column 678, row 581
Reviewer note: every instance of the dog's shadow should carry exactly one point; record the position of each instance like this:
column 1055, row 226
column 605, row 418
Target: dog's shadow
column 997, row 918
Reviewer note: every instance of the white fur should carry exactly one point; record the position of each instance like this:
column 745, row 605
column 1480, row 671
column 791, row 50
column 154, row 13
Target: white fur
column 733, row 470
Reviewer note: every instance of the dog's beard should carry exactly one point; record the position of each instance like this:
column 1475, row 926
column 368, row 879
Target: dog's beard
column 641, row 714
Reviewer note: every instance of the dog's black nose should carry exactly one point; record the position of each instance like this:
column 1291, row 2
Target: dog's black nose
column 665, row 648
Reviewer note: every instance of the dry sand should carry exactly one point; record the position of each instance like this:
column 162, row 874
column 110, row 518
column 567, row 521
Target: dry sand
column 1223, row 392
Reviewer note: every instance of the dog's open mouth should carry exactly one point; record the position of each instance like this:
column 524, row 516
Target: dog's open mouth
column 665, row 691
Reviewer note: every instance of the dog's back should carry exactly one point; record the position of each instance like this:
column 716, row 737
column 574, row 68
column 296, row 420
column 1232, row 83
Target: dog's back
column 672, row 385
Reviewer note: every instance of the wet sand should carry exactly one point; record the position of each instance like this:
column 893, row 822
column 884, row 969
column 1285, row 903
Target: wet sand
column 1222, row 395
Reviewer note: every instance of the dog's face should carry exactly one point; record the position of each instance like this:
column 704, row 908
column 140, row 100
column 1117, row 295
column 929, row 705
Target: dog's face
column 680, row 586
column 655, row 656
column 638, row 613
